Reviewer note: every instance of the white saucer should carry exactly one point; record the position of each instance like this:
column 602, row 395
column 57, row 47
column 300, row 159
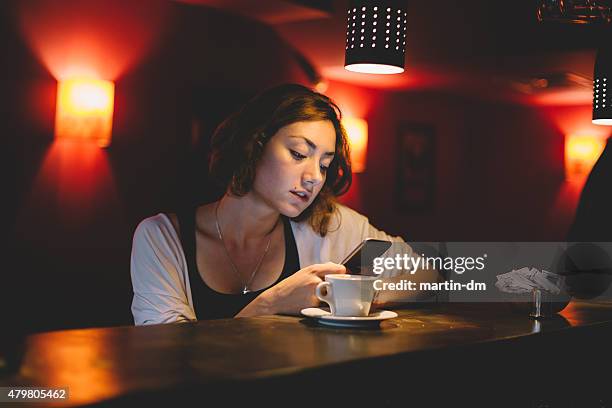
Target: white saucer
column 325, row 317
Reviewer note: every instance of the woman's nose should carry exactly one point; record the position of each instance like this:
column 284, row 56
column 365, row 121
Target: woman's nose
column 313, row 174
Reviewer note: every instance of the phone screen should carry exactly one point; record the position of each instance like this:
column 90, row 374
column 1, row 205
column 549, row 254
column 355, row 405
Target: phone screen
column 360, row 260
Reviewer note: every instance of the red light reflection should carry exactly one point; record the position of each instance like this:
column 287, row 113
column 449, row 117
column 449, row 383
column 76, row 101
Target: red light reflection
column 94, row 39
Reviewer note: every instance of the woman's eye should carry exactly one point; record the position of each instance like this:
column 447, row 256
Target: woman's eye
column 296, row 155
column 324, row 169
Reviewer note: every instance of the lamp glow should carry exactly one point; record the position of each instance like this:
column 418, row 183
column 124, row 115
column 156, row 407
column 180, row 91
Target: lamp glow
column 85, row 110
column 374, row 69
column 581, row 153
column 357, row 130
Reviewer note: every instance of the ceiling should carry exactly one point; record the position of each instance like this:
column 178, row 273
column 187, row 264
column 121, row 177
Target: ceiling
column 493, row 49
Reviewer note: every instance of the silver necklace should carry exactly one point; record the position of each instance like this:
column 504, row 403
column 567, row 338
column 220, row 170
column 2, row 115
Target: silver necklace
column 245, row 288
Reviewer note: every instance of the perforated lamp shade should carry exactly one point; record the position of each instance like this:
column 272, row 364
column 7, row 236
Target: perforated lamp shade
column 376, row 36
column 602, row 82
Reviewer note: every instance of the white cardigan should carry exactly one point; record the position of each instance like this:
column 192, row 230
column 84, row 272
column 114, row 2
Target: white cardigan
column 160, row 280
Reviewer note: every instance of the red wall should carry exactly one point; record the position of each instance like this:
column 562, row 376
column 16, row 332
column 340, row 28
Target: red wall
column 499, row 168
column 72, row 210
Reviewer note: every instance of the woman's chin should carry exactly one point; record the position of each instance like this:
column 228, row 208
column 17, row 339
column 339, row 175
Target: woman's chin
column 291, row 214
column 291, row 211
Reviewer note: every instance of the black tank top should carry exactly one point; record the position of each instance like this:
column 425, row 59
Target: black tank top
column 210, row 304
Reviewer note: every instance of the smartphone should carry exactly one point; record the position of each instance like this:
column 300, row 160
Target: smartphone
column 361, row 259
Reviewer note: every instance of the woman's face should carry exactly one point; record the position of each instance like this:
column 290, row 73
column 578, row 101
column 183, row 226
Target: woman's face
column 293, row 166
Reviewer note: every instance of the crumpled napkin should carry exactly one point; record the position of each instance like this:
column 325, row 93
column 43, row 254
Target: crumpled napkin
column 526, row 279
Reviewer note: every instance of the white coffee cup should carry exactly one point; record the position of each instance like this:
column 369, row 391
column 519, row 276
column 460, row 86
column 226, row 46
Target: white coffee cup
column 347, row 295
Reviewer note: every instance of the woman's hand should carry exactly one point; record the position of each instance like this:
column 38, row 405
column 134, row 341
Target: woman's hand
column 292, row 294
column 297, row 292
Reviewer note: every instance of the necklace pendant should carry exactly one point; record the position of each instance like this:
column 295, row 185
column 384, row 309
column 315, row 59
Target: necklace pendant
column 245, row 291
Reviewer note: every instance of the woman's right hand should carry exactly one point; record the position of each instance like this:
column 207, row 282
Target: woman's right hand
column 297, row 292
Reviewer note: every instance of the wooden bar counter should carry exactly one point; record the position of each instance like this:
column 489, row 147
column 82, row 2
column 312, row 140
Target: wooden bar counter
column 429, row 353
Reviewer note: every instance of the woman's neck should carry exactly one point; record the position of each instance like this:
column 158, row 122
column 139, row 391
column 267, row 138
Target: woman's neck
column 245, row 220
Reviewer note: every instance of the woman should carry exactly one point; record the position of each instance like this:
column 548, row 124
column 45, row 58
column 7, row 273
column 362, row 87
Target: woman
column 275, row 233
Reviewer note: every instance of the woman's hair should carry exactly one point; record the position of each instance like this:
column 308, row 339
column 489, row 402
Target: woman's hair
column 238, row 143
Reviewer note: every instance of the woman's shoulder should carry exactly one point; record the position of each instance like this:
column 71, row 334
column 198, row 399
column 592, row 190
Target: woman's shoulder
column 343, row 211
column 159, row 227
column 155, row 222
column 346, row 229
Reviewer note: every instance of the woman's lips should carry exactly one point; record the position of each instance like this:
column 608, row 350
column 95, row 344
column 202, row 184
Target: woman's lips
column 304, row 199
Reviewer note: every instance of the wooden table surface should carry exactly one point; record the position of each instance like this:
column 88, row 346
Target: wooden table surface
column 115, row 364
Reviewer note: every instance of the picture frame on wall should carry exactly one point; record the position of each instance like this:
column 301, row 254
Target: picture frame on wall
column 416, row 176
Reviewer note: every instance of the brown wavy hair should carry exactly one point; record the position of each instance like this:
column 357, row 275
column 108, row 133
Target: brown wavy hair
column 238, row 143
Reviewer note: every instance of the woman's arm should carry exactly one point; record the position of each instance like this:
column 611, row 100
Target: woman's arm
column 156, row 270
column 292, row 294
column 391, row 298
column 392, row 276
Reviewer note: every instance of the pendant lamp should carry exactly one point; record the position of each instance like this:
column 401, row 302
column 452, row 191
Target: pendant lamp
column 376, row 36
column 602, row 82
